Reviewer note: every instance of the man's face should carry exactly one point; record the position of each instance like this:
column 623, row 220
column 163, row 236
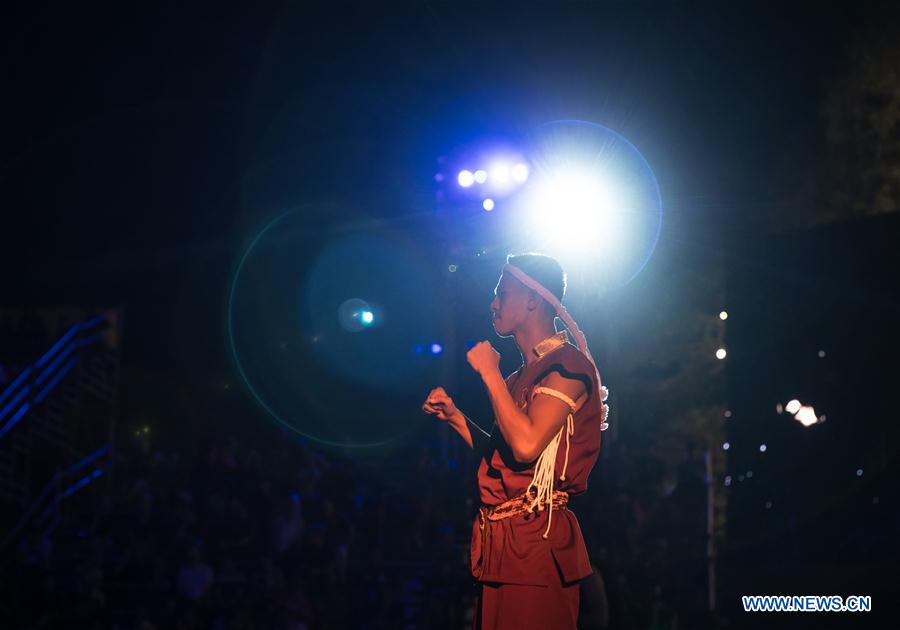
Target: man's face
column 510, row 305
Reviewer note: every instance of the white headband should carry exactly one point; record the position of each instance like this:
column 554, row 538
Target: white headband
column 563, row 314
column 561, row 311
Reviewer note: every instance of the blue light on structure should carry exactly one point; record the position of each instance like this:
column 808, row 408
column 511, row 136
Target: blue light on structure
column 12, row 422
column 65, row 338
column 43, row 394
column 436, row 348
column 15, row 384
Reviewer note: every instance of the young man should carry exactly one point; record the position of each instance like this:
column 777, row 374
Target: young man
column 527, row 550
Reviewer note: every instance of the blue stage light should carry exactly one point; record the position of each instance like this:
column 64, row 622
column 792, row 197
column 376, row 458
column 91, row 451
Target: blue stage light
column 465, row 178
column 436, row 348
column 520, row 172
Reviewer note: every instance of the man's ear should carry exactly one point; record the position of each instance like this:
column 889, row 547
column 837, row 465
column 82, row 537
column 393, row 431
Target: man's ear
column 534, row 300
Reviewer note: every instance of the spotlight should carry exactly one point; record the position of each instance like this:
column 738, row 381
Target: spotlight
column 488, row 204
column 580, row 199
column 465, row 178
column 793, row 406
column 367, row 317
column 721, row 354
column 806, row 416
column 481, row 176
column 520, row 172
column 762, row 448
column 726, row 446
column 859, row 472
column 723, row 315
column 500, row 173
column 436, row 348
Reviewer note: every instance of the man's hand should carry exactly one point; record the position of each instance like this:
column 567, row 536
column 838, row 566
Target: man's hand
column 484, row 359
column 439, row 404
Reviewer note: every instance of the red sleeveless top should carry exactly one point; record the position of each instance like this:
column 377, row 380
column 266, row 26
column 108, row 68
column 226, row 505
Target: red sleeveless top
column 512, row 550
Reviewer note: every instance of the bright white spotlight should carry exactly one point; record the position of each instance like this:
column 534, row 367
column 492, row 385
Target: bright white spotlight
column 520, row 172
column 721, row 353
column 806, row 416
column 367, row 317
column 723, row 315
column 576, row 208
column 481, row 176
column 793, row 406
column 488, row 204
column 465, row 178
column 500, row 173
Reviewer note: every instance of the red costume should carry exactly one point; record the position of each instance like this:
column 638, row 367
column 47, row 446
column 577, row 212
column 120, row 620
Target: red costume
column 530, row 573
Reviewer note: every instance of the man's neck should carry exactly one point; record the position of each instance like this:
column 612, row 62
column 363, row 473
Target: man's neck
column 529, row 337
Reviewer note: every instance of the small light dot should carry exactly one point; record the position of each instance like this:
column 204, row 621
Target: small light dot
column 726, row 446
column 779, row 408
column 439, row 177
column 452, row 268
column 488, row 204
column 859, row 472
column 721, row 353
column 762, row 448
column 728, row 413
column 821, row 354
column 723, row 315
column 740, row 477
column 823, row 418
column 749, row 474
column 768, row 505
column 728, row 480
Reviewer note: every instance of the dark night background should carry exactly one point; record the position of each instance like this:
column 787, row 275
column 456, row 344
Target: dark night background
column 143, row 148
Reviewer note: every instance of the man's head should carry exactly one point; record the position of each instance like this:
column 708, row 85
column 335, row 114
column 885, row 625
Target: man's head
column 515, row 304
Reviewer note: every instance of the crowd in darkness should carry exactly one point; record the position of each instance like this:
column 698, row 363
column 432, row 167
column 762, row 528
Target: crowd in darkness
column 291, row 536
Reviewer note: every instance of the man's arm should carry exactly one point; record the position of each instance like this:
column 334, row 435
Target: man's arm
column 528, row 434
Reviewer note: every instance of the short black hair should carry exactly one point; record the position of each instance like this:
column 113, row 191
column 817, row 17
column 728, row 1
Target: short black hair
column 545, row 269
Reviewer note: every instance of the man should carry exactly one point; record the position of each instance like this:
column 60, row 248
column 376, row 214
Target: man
column 527, row 549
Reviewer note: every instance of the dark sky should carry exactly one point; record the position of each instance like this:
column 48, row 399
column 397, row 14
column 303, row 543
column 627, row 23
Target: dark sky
column 129, row 131
column 140, row 148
